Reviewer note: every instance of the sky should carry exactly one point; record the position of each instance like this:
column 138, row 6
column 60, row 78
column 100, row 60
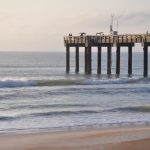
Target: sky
column 40, row 25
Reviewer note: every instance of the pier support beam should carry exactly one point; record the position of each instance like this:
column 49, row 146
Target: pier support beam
column 129, row 60
column 109, row 60
column 145, row 60
column 77, row 60
column 85, row 58
column 67, row 59
column 99, row 60
column 89, row 60
column 118, row 60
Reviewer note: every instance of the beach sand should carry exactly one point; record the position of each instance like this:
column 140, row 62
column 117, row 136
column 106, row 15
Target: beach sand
column 90, row 139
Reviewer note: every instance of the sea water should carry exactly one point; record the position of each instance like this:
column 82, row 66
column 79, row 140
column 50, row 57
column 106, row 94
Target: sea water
column 36, row 94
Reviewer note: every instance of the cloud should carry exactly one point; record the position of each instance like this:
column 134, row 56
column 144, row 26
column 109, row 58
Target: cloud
column 37, row 23
column 137, row 17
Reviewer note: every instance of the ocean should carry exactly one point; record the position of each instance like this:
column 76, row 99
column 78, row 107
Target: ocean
column 37, row 95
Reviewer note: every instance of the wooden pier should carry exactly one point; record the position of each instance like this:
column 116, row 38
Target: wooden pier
column 108, row 41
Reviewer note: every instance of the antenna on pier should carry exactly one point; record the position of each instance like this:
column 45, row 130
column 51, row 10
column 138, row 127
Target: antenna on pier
column 117, row 26
column 112, row 32
column 111, row 24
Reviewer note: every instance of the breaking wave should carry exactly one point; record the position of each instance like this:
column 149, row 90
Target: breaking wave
column 12, row 83
column 142, row 109
column 47, row 114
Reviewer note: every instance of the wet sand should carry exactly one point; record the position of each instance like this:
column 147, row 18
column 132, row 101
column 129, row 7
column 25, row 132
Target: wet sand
column 91, row 139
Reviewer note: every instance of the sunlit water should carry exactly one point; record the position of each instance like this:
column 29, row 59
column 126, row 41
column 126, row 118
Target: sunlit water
column 36, row 94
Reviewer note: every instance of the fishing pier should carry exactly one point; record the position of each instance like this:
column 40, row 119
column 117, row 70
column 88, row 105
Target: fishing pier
column 100, row 40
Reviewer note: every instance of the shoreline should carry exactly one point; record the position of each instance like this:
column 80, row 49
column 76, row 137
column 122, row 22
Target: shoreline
column 73, row 129
column 93, row 139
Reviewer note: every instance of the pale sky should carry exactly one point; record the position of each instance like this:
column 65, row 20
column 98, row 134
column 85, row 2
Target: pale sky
column 39, row 25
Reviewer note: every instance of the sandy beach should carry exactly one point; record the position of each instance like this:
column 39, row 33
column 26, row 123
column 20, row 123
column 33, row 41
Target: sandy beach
column 91, row 139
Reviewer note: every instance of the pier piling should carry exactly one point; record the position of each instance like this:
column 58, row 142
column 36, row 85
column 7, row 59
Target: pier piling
column 85, row 59
column 67, row 59
column 99, row 56
column 118, row 60
column 109, row 60
column 145, row 60
column 77, row 60
column 129, row 60
column 89, row 60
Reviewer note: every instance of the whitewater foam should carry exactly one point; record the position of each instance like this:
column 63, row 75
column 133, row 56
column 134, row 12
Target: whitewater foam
column 15, row 83
column 113, row 81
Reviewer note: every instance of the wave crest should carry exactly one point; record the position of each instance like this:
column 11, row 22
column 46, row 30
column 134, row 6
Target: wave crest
column 15, row 83
column 143, row 109
column 22, row 82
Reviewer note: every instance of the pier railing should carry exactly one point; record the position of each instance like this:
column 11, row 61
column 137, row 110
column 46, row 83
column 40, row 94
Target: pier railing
column 106, row 39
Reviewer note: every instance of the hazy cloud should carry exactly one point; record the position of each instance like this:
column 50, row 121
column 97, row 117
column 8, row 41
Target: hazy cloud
column 41, row 24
